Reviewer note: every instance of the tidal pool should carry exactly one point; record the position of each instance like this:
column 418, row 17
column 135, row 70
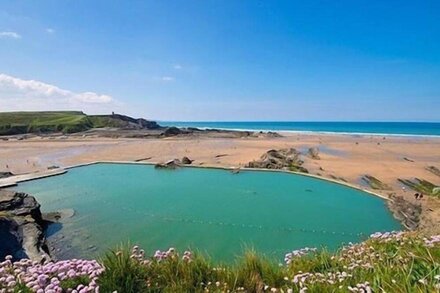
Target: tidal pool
column 210, row 210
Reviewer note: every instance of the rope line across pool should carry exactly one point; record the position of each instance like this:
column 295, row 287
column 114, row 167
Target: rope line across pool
column 239, row 225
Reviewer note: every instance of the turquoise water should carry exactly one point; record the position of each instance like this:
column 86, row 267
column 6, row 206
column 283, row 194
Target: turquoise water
column 379, row 128
column 211, row 210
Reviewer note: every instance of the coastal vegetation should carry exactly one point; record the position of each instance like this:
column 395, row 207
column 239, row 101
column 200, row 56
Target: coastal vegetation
column 386, row 262
column 28, row 122
column 12, row 123
column 375, row 183
column 423, row 186
column 433, row 170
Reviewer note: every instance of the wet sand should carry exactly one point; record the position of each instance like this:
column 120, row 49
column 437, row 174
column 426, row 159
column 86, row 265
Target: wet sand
column 343, row 157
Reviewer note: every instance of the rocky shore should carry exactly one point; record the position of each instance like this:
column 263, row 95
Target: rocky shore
column 406, row 212
column 287, row 159
column 167, row 132
column 21, row 227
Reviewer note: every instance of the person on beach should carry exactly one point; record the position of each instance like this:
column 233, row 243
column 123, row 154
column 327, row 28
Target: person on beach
column 416, row 196
column 421, row 196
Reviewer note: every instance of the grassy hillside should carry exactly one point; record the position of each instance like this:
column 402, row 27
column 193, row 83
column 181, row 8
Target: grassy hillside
column 64, row 121
column 29, row 122
column 99, row 121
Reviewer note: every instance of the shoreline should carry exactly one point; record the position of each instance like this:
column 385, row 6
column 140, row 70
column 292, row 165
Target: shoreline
column 343, row 159
column 319, row 132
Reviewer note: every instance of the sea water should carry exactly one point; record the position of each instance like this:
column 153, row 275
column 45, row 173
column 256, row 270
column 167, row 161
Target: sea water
column 370, row 128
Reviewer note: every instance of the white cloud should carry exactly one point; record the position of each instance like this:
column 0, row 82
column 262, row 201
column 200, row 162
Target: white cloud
column 19, row 94
column 167, row 78
column 50, row 30
column 177, row 66
column 10, row 35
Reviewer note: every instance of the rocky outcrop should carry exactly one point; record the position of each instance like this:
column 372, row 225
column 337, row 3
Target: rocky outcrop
column 288, row 159
column 5, row 174
column 314, row 153
column 171, row 164
column 406, row 212
column 124, row 121
column 421, row 185
column 21, row 227
column 375, row 183
column 434, row 170
column 172, row 131
column 186, row 161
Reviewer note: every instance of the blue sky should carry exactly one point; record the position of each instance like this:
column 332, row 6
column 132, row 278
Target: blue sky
column 224, row 60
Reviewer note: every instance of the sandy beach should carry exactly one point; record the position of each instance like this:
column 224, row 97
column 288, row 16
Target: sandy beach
column 342, row 157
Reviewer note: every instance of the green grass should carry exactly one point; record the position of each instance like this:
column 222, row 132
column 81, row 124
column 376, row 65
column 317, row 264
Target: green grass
column 422, row 186
column 31, row 122
column 375, row 183
column 100, row 121
column 400, row 263
column 12, row 123
column 389, row 262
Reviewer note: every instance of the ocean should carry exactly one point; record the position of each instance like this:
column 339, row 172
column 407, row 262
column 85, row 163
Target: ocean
column 370, row 128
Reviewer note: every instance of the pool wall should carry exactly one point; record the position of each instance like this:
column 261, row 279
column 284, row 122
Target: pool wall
column 14, row 180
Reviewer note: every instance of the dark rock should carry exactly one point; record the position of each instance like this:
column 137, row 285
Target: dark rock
column 186, row 161
column 314, row 153
column 235, row 171
column 434, row 170
column 172, row 131
column 133, row 122
column 406, row 212
column 143, row 159
column 421, row 185
column 5, row 174
column 172, row 164
column 375, row 183
column 21, row 227
column 273, row 134
column 194, row 129
column 280, row 159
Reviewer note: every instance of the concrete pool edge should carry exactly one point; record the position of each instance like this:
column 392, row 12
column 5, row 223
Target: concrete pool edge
column 14, row 180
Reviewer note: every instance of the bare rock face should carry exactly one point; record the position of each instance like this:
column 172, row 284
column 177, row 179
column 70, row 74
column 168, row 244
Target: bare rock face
column 288, row 159
column 21, row 227
column 171, row 164
column 172, row 131
column 406, row 212
column 186, row 161
column 314, row 153
column 5, row 174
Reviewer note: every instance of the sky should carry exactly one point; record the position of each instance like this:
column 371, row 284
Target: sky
column 224, row 60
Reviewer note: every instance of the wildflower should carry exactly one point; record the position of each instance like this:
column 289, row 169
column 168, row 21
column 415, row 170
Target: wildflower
column 288, row 258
